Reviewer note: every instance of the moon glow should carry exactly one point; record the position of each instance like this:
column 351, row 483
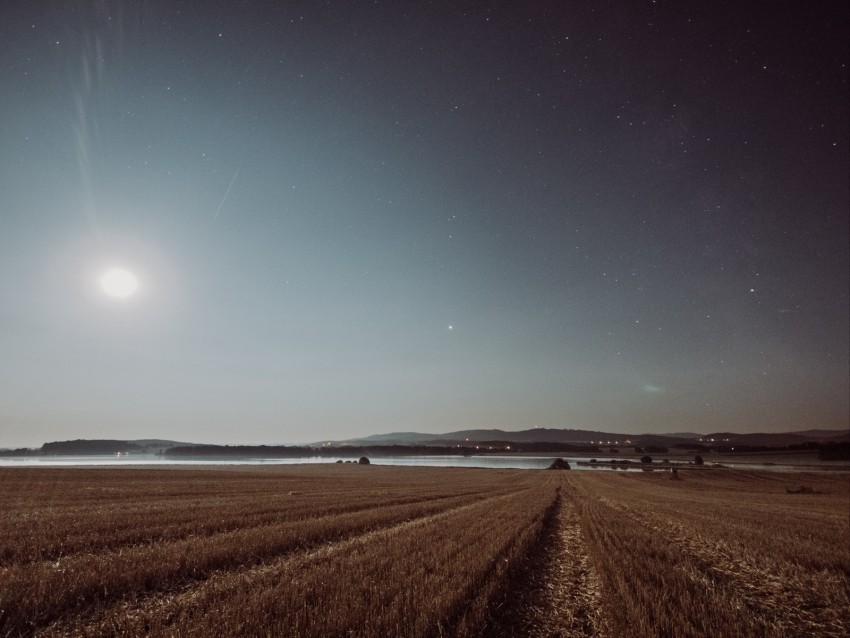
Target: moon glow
column 119, row 283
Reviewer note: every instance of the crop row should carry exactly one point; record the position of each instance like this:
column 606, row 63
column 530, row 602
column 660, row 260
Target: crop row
column 411, row 551
column 437, row 575
column 33, row 594
column 31, row 542
column 678, row 559
column 193, row 509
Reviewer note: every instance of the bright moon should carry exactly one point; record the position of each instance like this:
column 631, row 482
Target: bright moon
column 119, row 283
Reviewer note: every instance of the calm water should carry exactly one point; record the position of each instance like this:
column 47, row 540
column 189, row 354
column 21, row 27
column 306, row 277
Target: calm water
column 493, row 462
column 516, row 462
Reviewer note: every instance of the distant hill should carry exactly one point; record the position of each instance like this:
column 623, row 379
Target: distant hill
column 158, row 443
column 595, row 437
column 528, row 440
column 398, row 437
column 779, row 438
column 534, row 435
column 542, row 435
column 85, row 447
column 825, row 435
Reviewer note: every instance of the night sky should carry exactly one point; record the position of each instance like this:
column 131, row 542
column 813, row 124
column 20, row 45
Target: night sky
column 350, row 218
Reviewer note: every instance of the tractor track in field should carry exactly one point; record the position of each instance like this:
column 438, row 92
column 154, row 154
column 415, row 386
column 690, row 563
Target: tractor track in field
column 559, row 594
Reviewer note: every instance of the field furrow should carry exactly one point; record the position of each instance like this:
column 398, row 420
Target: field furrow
column 799, row 602
column 403, row 564
column 577, row 591
column 380, row 551
column 100, row 526
column 667, row 566
column 93, row 579
column 651, row 588
column 559, row 591
column 32, row 595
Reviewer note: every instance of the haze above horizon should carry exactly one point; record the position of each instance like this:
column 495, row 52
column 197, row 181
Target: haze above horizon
column 258, row 222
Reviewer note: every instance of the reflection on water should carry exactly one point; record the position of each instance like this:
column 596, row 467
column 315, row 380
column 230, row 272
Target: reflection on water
column 488, row 461
column 135, row 460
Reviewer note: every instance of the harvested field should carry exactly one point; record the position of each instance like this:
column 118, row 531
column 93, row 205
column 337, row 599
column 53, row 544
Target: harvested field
column 379, row 551
column 721, row 552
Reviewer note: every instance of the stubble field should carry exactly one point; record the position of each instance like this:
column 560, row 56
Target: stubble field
column 392, row 551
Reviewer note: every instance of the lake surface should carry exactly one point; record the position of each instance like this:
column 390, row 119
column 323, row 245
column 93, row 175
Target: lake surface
column 492, row 462
column 484, row 461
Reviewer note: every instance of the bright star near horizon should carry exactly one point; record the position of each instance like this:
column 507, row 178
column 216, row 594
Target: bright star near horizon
column 119, row 283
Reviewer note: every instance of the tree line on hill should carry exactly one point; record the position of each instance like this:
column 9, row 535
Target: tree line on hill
column 287, row 451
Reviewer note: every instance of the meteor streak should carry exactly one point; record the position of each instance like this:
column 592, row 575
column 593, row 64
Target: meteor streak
column 227, row 192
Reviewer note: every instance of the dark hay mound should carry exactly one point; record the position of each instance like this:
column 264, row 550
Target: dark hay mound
column 803, row 489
